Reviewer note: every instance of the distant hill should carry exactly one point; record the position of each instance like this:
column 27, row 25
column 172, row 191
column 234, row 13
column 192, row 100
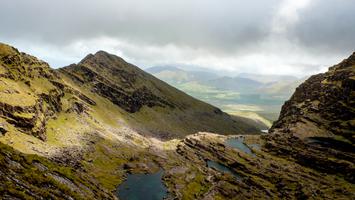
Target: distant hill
column 236, row 84
column 281, row 89
column 174, row 75
column 264, row 93
column 262, row 78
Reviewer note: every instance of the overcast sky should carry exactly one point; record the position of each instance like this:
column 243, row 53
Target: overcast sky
column 294, row 37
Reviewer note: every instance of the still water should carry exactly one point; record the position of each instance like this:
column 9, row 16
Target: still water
column 219, row 167
column 142, row 186
column 238, row 143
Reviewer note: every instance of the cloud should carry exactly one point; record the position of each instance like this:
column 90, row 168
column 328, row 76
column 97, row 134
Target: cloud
column 276, row 36
column 288, row 14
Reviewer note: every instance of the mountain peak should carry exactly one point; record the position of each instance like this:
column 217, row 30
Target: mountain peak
column 6, row 50
column 102, row 58
column 349, row 62
column 103, row 53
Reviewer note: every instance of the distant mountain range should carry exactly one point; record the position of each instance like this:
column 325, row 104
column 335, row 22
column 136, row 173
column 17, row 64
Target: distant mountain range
column 175, row 75
column 265, row 93
column 264, row 78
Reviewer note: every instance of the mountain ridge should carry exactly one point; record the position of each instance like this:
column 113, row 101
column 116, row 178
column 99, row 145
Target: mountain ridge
column 131, row 88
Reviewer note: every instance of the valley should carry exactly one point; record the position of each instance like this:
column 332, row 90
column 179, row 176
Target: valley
column 93, row 129
column 258, row 96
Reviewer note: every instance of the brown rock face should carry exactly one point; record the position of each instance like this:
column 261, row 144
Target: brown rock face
column 316, row 127
column 113, row 78
column 323, row 105
column 31, row 92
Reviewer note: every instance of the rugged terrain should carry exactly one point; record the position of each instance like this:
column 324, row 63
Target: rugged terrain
column 74, row 133
column 95, row 115
column 151, row 106
column 308, row 154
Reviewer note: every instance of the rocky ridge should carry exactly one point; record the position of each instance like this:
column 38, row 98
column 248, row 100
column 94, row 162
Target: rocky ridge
column 323, row 105
column 32, row 93
column 137, row 92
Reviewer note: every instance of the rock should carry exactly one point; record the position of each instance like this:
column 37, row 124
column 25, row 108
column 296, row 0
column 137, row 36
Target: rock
column 3, row 129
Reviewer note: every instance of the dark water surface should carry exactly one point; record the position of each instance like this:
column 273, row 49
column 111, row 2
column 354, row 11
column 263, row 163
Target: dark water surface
column 142, row 187
column 238, row 143
column 219, row 167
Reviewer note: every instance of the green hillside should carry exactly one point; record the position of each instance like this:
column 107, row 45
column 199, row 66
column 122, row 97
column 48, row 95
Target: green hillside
column 260, row 94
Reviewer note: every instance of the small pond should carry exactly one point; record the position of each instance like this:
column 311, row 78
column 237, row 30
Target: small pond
column 142, row 186
column 238, row 143
column 222, row 168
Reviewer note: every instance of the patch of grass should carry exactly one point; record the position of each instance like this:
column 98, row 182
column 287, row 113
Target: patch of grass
column 24, row 115
column 37, row 182
column 104, row 164
column 195, row 188
column 41, row 85
column 16, row 93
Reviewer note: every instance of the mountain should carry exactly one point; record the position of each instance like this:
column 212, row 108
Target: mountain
column 97, row 129
column 175, row 76
column 323, row 106
column 262, row 95
column 280, row 89
column 236, row 84
column 149, row 102
column 316, row 125
column 171, row 75
column 263, row 78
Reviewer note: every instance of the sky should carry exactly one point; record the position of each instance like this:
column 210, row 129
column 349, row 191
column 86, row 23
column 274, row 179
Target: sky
column 291, row 37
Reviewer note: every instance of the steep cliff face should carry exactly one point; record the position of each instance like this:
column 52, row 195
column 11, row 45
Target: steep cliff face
column 323, row 106
column 31, row 93
column 316, row 127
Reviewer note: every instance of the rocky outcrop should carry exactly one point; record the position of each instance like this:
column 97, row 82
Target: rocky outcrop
column 263, row 175
column 323, row 105
column 132, row 102
column 32, row 177
column 316, row 126
column 32, row 92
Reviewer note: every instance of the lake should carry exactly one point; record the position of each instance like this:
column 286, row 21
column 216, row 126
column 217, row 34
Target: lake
column 142, row 186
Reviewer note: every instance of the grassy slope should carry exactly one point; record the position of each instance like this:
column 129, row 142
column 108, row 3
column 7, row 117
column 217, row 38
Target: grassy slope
column 188, row 115
column 264, row 98
column 32, row 177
